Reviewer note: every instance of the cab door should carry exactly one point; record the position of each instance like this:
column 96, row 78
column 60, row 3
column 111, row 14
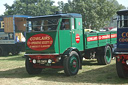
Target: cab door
column 65, row 35
column 77, row 33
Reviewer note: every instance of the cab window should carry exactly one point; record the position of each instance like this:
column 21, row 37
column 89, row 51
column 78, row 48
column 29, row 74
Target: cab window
column 65, row 25
column 122, row 21
column 42, row 25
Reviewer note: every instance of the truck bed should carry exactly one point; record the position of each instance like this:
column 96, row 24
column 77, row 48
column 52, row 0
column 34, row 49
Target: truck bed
column 93, row 40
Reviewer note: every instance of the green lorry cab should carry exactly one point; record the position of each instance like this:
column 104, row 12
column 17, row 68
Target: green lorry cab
column 59, row 41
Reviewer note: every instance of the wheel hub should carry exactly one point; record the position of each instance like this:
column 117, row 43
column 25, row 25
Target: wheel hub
column 108, row 55
column 74, row 64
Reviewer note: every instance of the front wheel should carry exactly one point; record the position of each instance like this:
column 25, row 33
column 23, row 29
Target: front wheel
column 30, row 69
column 122, row 69
column 71, row 64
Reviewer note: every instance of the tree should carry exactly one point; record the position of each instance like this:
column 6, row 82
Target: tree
column 96, row 13
column 31, row 7
column 113, row 22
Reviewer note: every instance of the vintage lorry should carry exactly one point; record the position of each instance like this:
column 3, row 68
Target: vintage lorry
column 61, row 42
column 12, row 34
column 122, row 44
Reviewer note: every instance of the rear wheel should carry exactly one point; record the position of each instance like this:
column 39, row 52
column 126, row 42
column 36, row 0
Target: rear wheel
column 71, row 64
column 104, row 55
column 122, row 69
column 15, row 53
column 30, row 69
column 4, row 51
column 99, row 59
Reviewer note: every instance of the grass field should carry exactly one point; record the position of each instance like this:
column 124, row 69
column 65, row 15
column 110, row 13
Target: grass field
column 13, row 72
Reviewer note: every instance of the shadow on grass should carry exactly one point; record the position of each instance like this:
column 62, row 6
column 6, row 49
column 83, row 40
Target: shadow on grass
column 90, row 62
column 13, row 58
column 102, row 75
column 10, row 55
column 22, row 73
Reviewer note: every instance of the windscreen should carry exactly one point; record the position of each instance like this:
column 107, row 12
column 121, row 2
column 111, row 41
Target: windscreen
column 122, row 21
column 42, row 25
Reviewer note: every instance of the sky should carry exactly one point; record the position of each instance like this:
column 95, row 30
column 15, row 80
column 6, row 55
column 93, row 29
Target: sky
column 10, row 2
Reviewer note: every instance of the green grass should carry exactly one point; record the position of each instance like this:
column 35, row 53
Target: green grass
column 13, row 72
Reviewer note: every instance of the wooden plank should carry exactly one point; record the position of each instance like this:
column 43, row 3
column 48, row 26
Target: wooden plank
column 19, row 24
column 8, row 24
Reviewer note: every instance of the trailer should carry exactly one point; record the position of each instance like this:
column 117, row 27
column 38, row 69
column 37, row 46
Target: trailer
column 12, row 34
column 59, row 41
column 122, row 44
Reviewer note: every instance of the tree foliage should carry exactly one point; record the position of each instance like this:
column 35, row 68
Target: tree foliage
column 96, row 13
column 31, row 7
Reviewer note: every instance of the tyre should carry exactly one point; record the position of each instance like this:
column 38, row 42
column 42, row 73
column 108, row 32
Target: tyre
column 4, row 51
column 99, row 59
column 122, row 69
column 30, row 69
column 1, row 51
column 71, row 64
column 98, row 55
column 105, row 55
column 14, row 50
column 15, row 53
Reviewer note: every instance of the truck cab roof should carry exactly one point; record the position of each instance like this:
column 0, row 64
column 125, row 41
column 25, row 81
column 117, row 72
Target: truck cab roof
column 62, row 15
column 23, row 16
column 122, row 12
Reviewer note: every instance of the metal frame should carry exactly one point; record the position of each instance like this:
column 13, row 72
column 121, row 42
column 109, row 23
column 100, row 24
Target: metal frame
column 121, row 53
column 42, row 54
